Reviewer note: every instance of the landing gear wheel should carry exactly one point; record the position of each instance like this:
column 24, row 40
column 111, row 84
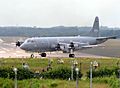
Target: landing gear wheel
column 71, row 55
column 32, row 56
column 43, row 54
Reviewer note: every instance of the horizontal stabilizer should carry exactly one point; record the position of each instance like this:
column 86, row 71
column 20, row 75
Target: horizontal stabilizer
column 105, row 38
column 112, row 37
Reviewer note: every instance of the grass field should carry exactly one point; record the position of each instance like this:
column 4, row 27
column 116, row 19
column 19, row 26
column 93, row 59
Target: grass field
column 42, row 63
column 48, row 83
column 37, row 64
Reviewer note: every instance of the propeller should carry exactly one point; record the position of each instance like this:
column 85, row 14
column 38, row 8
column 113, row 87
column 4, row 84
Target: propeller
column 72, row 45
column 18, row 43
column 58, row 47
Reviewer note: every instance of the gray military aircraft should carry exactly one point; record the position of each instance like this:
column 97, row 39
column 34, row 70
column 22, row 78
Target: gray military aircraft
column 65, row 44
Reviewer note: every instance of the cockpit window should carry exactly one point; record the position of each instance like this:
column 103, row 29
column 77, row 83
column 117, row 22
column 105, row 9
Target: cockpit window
column 30, row 41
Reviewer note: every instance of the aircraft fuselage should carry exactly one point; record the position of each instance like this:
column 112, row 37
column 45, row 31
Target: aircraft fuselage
column 43, row 44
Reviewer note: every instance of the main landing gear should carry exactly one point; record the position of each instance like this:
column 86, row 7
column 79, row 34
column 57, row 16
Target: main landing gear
column 71, row 55
column 43, row 54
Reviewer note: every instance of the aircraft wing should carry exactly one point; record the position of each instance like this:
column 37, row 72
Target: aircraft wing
column 73, row 45
column 76, row 46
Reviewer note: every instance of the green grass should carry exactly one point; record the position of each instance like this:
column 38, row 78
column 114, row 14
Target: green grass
column 48, row 83
column 40, row 63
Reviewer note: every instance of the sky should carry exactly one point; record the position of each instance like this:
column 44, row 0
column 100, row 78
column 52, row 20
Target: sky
column 49, row 13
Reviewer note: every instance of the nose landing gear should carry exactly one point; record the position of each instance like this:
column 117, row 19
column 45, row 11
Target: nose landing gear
column 32, row 55
column 43, row 54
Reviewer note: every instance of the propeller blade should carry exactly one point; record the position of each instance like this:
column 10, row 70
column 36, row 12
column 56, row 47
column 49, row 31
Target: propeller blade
column 71, row 45
column 58, row 47
column 18, row 43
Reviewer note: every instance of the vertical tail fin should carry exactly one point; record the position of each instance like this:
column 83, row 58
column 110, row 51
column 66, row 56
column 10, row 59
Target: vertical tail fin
column 95, row 29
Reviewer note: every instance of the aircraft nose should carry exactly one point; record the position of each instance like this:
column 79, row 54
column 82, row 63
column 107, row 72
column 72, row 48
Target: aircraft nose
column 23, row 47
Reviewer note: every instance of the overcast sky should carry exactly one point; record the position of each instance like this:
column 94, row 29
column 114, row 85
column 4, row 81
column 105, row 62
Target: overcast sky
column 48, row 13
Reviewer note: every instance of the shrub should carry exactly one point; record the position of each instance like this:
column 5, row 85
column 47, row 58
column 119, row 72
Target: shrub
column 116, row 70
column 21, row 73
column 60, row 73
column 103, row 72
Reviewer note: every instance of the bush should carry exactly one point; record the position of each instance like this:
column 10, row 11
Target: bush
column 21, row 73
column 103, row 72
column 116, row 72
column 60, row 73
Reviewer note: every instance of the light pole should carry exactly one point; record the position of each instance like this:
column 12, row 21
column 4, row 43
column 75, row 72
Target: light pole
column 15, row 70
column 72, row 72
column 73, row 66
column 75, row 63
column 77, row 72
column 91, row 74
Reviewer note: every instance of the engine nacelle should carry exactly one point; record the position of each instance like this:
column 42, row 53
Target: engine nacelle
column 67, row 49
